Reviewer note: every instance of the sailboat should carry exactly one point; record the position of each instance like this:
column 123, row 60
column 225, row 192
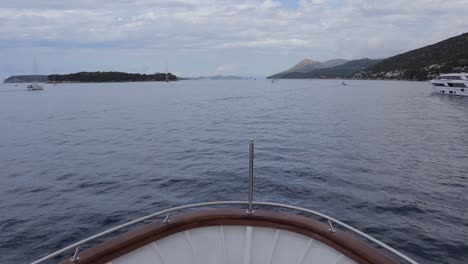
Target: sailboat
column 35, row 86
column 167, row 76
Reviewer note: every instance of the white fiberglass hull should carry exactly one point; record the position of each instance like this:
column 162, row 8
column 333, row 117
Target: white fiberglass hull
column 235, row 244
column 234, row 236
column 35, row 87
column 451, row 84
column 450, row 91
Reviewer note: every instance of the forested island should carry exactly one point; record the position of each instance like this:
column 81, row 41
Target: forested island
column 92, row 77
column 26, row 78
column 110, row 77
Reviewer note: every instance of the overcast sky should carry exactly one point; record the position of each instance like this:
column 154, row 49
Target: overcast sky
column 205, row 37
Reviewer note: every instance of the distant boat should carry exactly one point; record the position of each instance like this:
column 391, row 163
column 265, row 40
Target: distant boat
column 35, row 86
column 343, row 83
column 167, row 76
column 451, row 84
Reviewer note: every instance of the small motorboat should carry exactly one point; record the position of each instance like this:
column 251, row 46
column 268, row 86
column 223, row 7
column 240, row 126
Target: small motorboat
column 235, row 235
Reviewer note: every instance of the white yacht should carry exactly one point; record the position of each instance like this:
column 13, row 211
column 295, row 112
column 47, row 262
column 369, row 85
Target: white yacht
column 451, row 84
column 233, row 235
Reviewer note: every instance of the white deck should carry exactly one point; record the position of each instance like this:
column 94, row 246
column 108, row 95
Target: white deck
column 234, row 245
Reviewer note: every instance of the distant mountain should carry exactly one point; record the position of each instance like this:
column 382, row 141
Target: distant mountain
column 346, row 70
column 25, row 78
column 334, row 63
column 450, row 55
column 219, row 77
column 308, row 65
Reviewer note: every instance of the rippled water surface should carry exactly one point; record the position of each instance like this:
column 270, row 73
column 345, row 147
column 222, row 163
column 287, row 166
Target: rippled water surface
column 386, row 157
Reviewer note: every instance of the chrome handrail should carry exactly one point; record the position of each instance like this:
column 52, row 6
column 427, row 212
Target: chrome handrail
column 204, row 204
column 141, row 219
column 250, row 211
column 346, row 226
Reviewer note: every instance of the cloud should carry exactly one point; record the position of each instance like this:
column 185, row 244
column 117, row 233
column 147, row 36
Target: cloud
column 268, row 4
column 285, row 43
column 226, row 69
column 275, row 34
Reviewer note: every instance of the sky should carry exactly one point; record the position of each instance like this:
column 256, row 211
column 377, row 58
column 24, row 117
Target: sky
column 208, row 37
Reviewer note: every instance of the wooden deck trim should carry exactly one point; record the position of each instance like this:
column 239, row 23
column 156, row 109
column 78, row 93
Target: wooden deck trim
column 343, row 242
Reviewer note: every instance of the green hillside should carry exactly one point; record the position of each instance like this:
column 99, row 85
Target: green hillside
column 25, row 78
column 447, row 56
column 346, row 70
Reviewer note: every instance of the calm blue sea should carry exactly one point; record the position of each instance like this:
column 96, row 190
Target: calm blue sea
column 387, row 157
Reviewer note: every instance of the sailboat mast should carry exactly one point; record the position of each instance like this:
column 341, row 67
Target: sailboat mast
column 167, row 79
column 35, row 69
